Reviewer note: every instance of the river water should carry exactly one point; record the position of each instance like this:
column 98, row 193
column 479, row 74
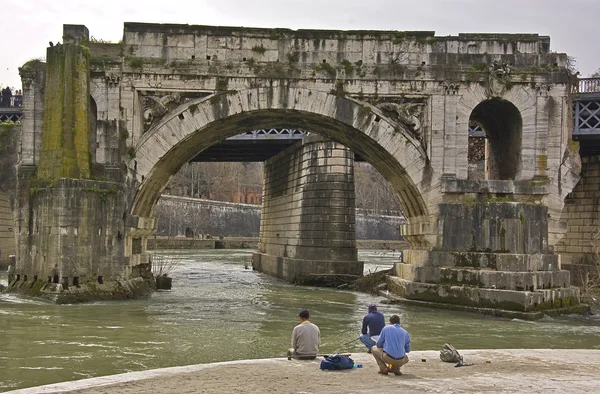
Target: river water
column 219, row 311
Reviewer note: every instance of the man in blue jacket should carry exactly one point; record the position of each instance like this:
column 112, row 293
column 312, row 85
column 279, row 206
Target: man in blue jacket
column 391, row 347
column 372, row 324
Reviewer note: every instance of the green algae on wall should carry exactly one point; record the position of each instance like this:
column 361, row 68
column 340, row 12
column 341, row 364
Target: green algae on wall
column 65, row 138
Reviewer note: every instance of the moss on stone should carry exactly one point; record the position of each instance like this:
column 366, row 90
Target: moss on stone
column 221, row 84
column 326, row 68
column 136, row 63
column 293, row 57
column 479, row 67
column 33, row 64
column 65, row 138
column 348, row 66
column 260, row 49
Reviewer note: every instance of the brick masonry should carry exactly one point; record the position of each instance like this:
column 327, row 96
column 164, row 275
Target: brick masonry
column 582, row 215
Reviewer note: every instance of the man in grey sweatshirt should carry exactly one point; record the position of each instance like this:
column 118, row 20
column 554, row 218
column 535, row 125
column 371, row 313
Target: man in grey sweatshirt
column 305, row 339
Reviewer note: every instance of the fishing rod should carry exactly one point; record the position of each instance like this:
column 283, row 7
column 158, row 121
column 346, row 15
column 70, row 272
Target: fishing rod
column 344, row 344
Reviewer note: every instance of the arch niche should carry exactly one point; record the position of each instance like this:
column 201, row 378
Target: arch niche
column 503, row 126
column 196, row 125
column 93, row 124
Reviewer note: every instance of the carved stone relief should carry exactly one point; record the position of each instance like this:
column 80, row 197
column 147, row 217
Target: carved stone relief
column 409, row 114
column 157, row 104
column 499, row 78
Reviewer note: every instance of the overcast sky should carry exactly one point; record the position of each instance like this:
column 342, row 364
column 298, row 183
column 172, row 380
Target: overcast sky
column 572, row 25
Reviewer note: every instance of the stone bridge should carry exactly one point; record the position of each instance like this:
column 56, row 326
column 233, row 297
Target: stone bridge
column 105, row 126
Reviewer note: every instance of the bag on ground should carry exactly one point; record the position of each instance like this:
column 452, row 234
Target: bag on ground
column 449, row 354
column 337, row 361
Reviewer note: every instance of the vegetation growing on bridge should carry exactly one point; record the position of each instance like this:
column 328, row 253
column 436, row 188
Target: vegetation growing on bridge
column 260, row 49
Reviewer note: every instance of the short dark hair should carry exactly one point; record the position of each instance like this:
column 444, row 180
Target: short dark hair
column 303, row 314
column 395, row 319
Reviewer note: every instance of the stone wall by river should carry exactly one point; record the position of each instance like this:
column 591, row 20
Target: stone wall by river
column 182, row 216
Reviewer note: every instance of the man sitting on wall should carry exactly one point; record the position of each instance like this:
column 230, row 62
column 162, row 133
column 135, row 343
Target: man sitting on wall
column 305, row 339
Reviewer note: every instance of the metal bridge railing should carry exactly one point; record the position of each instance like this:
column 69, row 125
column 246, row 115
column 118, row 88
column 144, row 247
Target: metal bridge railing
column 587, row 85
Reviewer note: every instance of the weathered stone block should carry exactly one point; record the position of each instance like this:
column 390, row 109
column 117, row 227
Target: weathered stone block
column 493, row 227
column 308, row 272
column 525, row 301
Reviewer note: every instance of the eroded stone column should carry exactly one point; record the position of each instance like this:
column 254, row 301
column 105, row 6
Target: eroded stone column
column 71, row 227
column 308, row 230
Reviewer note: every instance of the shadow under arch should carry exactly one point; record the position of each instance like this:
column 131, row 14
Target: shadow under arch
column 93, row 125
column 196, row 125
column 502, row 123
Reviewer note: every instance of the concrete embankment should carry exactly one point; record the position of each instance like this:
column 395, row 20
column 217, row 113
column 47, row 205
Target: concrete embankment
column 497, row 371
column 252, row 243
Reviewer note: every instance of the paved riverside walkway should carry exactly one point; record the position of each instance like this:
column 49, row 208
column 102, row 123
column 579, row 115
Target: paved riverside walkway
column 508, row 371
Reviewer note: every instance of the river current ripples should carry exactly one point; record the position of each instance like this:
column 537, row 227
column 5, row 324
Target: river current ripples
column 219, row 311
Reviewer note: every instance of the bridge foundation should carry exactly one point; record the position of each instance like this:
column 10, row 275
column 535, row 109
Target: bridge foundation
column 490, row 255
column 71, row 228
column 308, row 233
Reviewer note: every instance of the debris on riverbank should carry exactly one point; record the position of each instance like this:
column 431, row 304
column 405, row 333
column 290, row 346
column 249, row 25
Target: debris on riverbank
column 371, row 283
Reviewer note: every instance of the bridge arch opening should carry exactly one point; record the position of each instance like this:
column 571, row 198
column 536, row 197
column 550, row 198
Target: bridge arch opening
column 198, row 124
column 502, row 124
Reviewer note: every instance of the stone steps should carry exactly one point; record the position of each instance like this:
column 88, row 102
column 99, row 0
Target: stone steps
column 484, row 278
column 524, row 301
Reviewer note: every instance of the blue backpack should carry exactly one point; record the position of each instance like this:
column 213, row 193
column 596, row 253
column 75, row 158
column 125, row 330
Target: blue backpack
column 336, row 361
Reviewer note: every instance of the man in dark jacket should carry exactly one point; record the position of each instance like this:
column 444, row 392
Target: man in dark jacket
column 372, row 324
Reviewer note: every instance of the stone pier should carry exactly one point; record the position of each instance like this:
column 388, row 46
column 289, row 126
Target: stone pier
column 308, row 231
column 71, row 230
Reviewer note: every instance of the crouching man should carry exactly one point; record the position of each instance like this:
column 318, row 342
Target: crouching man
column 305, row 339
column 391, row 347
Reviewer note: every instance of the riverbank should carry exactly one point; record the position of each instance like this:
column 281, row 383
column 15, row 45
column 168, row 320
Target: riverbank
column 182, row 243
column 509, row 371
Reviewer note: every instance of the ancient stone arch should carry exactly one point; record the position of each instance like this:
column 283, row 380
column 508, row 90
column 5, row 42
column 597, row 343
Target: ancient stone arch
column 197, row 124
column 402, row 100
column 520, row 105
